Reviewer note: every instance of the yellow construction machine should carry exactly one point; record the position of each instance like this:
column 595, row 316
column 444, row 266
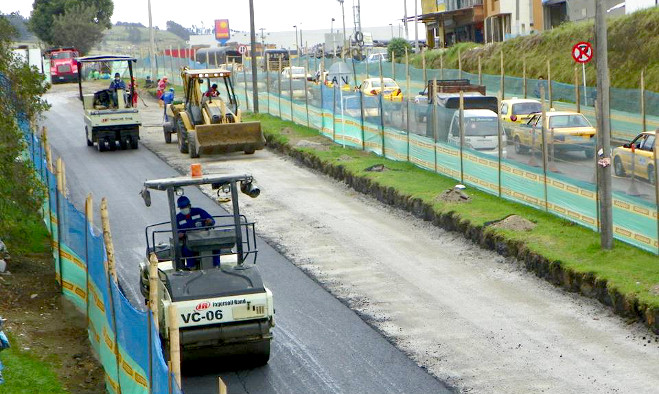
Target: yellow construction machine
column 208, row 120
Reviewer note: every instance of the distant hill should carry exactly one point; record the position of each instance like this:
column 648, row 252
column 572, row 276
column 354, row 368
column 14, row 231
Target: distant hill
column 633, row 43
column 132, row 37
column 20, row 23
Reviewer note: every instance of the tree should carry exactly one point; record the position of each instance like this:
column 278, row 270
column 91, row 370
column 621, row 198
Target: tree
column 44, row 13
column 20, row 24
column 77, row 28
column 397, row 46
column 179, row 30
column 21, row 88
column 134, row 34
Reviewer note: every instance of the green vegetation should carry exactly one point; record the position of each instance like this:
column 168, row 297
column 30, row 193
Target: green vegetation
column 633, row 44
column 398, row 46
column 71, row 23
column 626, row 268
column 21, row 193
column 25, row 373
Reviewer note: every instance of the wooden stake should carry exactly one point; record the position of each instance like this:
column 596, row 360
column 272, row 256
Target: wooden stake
column 480, row 73
column 551, row 102
column 459, row 64
column 524, row 75
column 107, row 237
column 643, row 119
column 222, row 387
column 503, row 79
column 153, row 287
column 423, row 64
column 174, row 344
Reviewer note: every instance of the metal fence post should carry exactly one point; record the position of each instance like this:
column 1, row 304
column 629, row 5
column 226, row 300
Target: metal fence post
column 462, row 134
column 577, row 96
column 245, row 83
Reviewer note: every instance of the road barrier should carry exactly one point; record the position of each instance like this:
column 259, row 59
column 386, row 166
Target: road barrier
column 124, row 338
column 553, row 179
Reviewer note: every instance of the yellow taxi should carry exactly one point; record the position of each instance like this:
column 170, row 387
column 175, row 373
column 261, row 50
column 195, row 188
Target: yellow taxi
column 372, row 87
column 643, row 152
column 519, row 110
column 571, row 130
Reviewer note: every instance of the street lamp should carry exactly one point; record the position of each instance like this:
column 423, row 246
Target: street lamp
column 344, row 23
column 333, row 39
column 297, row 48
column 391, row 26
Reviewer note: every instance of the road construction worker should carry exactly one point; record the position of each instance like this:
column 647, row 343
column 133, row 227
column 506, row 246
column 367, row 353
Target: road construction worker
column 117, row 83
column 162, row 85
column 213, row 91
column 190, row 218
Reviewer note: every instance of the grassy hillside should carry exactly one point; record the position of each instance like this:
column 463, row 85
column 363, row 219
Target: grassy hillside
column 633, row 45
column 118, row 37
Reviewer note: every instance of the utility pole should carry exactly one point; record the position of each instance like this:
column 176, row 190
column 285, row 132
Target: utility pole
column 152, row 50
column 407, row 36
column 603, row 128
column 416, row 25
column 252, row 34
column 343, row 14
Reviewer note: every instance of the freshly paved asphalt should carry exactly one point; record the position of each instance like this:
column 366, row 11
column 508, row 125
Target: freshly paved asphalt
column 320, row 345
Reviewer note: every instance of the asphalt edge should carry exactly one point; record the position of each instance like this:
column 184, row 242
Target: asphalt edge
column 586, row 284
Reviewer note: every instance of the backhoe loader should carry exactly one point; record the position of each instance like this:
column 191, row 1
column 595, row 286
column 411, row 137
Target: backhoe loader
column 208, row 121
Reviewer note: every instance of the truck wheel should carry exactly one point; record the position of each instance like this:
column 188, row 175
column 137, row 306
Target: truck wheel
column 134, row 143
column 112, row 144
column 89, row 142
column 182, row 136
column 168, row 136
column 192, row 147
column 101, row 145
column 124, row 142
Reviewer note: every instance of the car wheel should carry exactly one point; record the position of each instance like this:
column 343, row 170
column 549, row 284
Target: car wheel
column 652, row 176
column 519, row 148
column 590, row 153
column 618, row 167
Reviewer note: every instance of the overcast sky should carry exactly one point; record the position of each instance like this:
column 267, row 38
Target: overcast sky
column 269, row 14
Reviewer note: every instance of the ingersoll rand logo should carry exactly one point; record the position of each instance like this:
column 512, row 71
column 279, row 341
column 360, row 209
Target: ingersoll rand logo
column 203, row 306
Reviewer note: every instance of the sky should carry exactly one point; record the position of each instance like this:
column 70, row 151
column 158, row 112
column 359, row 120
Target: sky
column 271, row 15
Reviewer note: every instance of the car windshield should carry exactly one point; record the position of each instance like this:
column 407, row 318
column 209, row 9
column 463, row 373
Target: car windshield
column 388, row 83
column 63, row 55
column 526, row 108
column 563, row 121
column 480, row 126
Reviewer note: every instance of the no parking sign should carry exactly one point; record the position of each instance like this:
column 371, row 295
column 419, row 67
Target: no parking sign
column 582, row 52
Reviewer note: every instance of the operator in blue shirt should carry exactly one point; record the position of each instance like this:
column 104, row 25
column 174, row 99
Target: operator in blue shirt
column 116, row 84
column 192, row 218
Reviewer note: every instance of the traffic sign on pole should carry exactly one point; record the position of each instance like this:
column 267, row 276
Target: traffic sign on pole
column 242, row 49
column 582, row 52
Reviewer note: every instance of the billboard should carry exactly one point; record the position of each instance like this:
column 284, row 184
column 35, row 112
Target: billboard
column 222, row 33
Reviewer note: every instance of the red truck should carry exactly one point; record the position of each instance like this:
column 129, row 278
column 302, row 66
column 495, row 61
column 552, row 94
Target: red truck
column 63, row 66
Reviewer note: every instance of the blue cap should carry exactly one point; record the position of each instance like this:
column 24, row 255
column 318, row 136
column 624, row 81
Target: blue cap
column 182, row 202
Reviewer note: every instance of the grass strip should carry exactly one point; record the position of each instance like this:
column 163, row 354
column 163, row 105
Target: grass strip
column 632, row 272
column 25, row 373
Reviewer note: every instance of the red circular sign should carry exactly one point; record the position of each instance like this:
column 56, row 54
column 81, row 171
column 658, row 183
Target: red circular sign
column 242, row 49
column 582, row 52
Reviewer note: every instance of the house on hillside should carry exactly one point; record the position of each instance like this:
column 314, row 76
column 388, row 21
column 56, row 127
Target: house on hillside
column 448, row 22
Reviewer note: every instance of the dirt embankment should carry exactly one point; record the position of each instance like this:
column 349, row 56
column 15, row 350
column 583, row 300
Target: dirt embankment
column 46, row 325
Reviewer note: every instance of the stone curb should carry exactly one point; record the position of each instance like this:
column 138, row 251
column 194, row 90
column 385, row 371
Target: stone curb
column 586, row 284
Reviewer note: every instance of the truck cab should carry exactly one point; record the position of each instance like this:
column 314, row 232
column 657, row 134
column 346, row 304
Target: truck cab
column 63, row 65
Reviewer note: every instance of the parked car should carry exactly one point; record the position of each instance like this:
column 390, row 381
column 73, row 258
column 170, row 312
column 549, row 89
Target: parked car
column 480, row 131
column 643, row 151
column 572, row 132
column 421, row 105
column 298, row 72
column 372, row 87
column 352, row 108
column 376, row 58
column 296, row 86
column 518, row 111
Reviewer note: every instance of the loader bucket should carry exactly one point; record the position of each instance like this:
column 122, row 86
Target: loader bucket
column 229, row 137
